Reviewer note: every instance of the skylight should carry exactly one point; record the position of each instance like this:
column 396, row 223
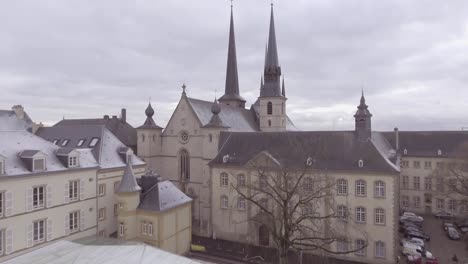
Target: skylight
column 55, row 141
column 65, row 142
column 93, row 142
column 80, row 143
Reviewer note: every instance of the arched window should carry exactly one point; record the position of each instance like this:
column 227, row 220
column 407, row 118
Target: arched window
column 269, row 108
column 380, row 249
column 241, row 180
column 224, row 180
column 308, row 185
column 263, row 236
column 184, row 165
column 360, row 188
column 224, row 202
column 379, row 190
column 360, row 215
column 379, row 216
column 342, row 187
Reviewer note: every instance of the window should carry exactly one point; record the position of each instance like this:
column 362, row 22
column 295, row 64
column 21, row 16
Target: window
column 80, row 142
column 452, row 183
column 405, row 151
column 224, row 180
column 74, row 218
column 416, row 164
column 38, row 197
column 210, row 137
column 427, row 183
column 262, row 182
column 93, row 142
column 241, row 203
column 360, row 215
column 143, row 228
column 241, row 180
column 452, row 205
column 439, row 152
column 102, row 214
column 102, row 189
column 55, row 141
column 263, row 203
column 405, row 182
column 38, row 231
column 269, row 108
column 360, row 247
column 2, row 198
column 150, row 229
column 116, row 186
column 64, row 142
column 269, row 123
column 308, row 185
column 2, row 250
column 440, row 204
column 342, row 187
column 184, row 165
column 73, row 188
column 116, row 209
column 427, row 165
column 342, row 212
column 440, row 185
column 102, row 233
column 143, row 137
column 72, row 161
column 39, row 164
column 122, row 230
column 2, row 167
column 341, row 246
column 379, row 249
column 439, row 165
column 417, row 201
column 428, row 198
column 379, row 189
column 379, row 216
column 224, row 202
column 360, row 163
column 416, row 182
column 405, row 201
column 404, row 164
column 360, row 188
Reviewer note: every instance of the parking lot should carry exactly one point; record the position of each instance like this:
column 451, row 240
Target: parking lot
column 441, row 246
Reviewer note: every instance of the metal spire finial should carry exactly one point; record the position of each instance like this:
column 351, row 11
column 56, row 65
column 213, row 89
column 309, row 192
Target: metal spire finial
column 231, row 3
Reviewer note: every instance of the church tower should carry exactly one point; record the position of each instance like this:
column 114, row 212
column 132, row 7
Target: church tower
column 149, row 139
column 231, row 94
column 362, row 118
column 272, row 98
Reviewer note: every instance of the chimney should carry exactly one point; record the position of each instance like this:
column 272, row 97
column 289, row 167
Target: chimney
column 397, row 139
column 106, row 117
column 19, row 111
column 36, row 126
column 123, row 116
column 114, row 117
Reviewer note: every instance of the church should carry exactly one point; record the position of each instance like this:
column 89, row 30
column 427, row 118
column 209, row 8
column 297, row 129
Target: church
column 208, row 145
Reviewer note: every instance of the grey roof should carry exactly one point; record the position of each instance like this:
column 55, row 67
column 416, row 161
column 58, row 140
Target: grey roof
column 427, row 143
column 331, row 150
column 128, row 183
column 160, row 195
column 232, row 80
column 14, row 142
column 272, row 51
column 64, row 151
column 106, row 151
column 10, row 122
column 28, row 153
column 272, row 71
column 215, row 121
column 122, row 130
column 149, row 122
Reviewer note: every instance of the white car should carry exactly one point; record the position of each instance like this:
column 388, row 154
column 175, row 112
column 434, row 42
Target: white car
column 412, row 218
column 415, row 250
column 408, row 214
column 413, row 240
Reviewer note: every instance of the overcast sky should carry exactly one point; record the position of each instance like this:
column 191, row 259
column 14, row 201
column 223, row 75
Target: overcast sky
column 87, row 58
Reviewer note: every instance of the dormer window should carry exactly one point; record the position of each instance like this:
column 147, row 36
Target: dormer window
column 80, row 142
column 93, row 142
column 405, row 152
column 65, row 142
column 439, row 152
column 55, row 141
column 360, row 163
column 73, row 161
column 39, row 164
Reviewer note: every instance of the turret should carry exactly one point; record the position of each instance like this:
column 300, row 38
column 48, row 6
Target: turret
column 362, row 118
column 149, row 139
column 212, row 131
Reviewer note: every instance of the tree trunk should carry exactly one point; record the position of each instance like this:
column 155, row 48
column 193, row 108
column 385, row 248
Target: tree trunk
column 283, row 255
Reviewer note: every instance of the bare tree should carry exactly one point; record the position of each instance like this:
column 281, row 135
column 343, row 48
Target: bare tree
column 296, row 207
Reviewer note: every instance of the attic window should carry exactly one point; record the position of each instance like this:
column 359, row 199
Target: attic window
column 309, row 161
column 93, row 142
column 80, row 142
column 38, row 164
column 361, row 163
column 439, row 152
column 65, row 142
column 405, row 151
column 55, row 141
column 225, row 158
column 73, row 161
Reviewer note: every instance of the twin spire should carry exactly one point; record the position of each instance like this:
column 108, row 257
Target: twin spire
column 272, row 69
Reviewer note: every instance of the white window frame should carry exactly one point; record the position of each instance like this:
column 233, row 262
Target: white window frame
column 379, row 216
column 224, row 179
column 428, row 183
column 416, row 164
column 37, row 202
column 427, row 165
column 74, row 190
column 405, row 182
column 360, row 247
column 79, row 144
column 342, row 212
column 361, row 188
column 39, row 231
column 102, row 214
column 73, row 161
column 2, row 204
column 43, row 164
column 416, row 201
column 308, row 185
column 241, row 203
column 341, row 246
column 64, row 142
column 440, row 204
column 224, row 202
column 150, row 229
column 360, row 215
column 452, row 205
column 143, row 227
column 102, row 189
column 241, row 180
column 379, row 251
column 379, row 189
column 342, row 187
column 74, row 221
column 121, row 229
column 405, row 200
column 417, row 182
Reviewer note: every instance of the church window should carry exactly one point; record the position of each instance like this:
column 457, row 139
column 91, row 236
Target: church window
column 269, row 108
column 224, row 179
column 184, row 165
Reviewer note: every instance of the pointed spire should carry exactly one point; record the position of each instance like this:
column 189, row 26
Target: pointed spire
column 149, row 122
column 128, row 183
column 231, row 93
column 272, row 70
column 283, row 90
column 272, row 52
column 362, row 103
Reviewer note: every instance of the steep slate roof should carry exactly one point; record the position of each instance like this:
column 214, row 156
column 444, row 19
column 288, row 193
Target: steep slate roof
column 162, row 195
column 122, row 130
column 128, row 183
column 332, row 150
column 14, row 142
column 149, row 122
column 10, row 122
column 427, row 143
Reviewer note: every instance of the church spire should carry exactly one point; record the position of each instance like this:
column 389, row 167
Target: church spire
column 272, row 71
column 363, row 120
column 231, row 95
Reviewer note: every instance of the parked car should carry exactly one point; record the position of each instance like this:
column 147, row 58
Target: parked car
column 462, row 223
column 415, row 250
column 412, row 240
column 411, row 228
column 443, row 215
column 452, row 233
column 417, row 234
column 464, row 230
column 418, row 260
column 405, row 227
column 446, row 225
column 408, row 214
column 411, row 218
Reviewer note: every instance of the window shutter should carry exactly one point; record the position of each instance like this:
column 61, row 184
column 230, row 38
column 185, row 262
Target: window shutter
column 29, row 200
column 66, row 197
column 82, row 220
column 49, row 196
column 67, row 224
column 49, row 230
column 82, row 189
column 9, row 241
column 8, row 203
column 29, row 235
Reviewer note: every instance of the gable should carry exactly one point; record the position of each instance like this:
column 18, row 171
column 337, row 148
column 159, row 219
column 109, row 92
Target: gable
column 183, row 118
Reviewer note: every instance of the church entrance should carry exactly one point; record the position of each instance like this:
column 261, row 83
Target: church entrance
column 263, row 236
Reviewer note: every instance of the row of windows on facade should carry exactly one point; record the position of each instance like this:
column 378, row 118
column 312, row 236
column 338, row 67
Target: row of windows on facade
column 81, row 142
column 439, row 152
column 361, row 248
column 361, row 188
column 440, row 183
column 361, row 214
column 417, row 164
column 39, row 164
column 452, row 205
column 146, row 229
